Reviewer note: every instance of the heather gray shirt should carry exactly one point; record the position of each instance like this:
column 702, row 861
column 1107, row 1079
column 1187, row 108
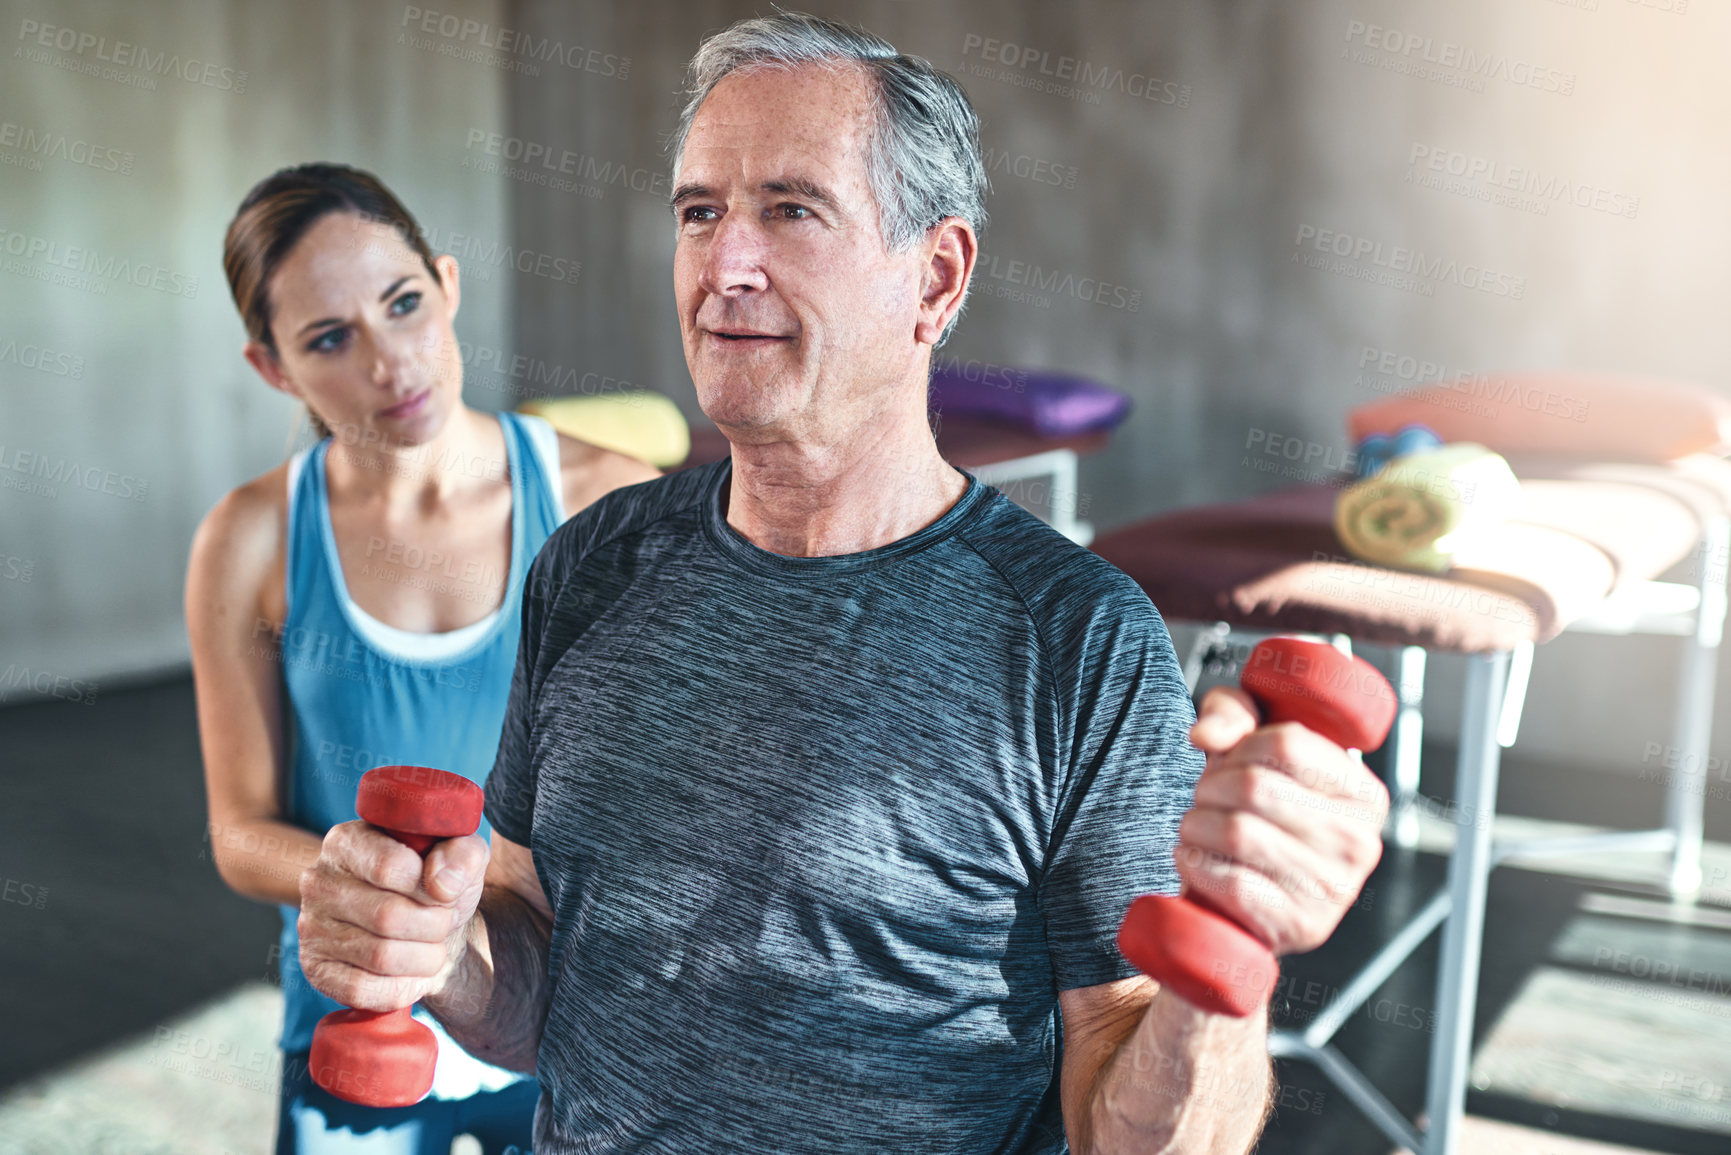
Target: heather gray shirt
column 825, row 837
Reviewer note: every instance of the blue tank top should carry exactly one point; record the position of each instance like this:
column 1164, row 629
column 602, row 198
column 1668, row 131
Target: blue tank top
column 363, row 694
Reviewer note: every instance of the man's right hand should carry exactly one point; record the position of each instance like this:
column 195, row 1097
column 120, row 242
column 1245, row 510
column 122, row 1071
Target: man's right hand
column 380, row 928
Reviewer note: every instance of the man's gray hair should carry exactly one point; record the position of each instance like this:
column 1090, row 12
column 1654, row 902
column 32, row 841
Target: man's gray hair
column 923, row 157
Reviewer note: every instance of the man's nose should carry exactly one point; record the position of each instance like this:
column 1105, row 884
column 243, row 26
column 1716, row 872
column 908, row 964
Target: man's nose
column 733, row 262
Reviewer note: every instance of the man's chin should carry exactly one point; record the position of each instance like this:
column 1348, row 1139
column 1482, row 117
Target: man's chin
column 744, row 408
column 746, row 428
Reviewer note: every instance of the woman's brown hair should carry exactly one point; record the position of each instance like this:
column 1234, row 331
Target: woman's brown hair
column 278, row 212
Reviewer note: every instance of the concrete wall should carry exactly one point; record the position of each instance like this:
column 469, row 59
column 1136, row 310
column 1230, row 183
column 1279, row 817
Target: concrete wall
column 176, row 109
column 1210, row 138
column 1265, row 121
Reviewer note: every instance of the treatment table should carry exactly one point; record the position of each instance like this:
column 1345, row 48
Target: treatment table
column 1585, row 554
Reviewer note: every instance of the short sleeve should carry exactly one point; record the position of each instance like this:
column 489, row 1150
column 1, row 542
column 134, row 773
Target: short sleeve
column 1132, row 775
column 510, row 787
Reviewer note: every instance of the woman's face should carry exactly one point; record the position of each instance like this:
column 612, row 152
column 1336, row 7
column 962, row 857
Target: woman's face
column 363, row 333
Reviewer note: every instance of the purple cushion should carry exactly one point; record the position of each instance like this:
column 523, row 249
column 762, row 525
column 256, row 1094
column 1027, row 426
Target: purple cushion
column 1049, row 404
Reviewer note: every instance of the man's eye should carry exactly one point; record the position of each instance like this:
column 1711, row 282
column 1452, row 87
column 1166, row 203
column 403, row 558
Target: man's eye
column 327, row 340
column 794, row 212
column 406, row 304
column 695, row 214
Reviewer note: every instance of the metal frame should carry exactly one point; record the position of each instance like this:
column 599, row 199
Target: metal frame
column 1061, row 465
column 1694, row 612
column 1495, row 693
column 1457, row 983
column 1459, row 908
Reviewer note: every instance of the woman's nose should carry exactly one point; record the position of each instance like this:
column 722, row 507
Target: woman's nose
column 389, row 359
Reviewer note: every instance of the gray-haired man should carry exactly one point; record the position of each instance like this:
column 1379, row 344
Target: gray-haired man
column 828, row 773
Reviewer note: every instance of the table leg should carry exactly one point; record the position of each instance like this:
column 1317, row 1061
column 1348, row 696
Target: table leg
column 1469, row 872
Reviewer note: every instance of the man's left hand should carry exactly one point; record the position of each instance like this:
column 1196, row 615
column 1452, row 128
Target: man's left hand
column 1286, row 827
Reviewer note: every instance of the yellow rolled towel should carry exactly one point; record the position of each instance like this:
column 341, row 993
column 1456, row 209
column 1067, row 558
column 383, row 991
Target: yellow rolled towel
column 640, row 424
column 1419, row 510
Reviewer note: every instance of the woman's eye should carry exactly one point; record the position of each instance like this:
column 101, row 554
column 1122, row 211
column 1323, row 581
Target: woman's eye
column 406, row 304
column 327, row 340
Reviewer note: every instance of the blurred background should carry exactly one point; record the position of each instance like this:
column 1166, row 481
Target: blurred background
column 1214, row 141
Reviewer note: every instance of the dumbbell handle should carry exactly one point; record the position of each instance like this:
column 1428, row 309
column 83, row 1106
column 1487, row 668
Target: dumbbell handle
column 386, row 1058
column 1206, row 958
column 421, row 844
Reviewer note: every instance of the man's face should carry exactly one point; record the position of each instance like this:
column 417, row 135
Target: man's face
column 795, row 320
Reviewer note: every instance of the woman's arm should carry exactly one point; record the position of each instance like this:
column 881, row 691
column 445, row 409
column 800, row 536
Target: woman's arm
column 232, row 621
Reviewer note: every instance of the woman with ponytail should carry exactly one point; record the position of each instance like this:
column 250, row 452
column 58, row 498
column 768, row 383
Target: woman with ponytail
column 359, row 604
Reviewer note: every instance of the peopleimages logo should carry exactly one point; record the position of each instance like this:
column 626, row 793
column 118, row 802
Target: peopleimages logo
column 1438, row 382
column 36, row 473
column 538, row 155
column 499, row 255
column 84, row 261
column 27, row 356
column 1030, row 168
column 1517, row 186
column 1075, row 73
column 50, row 685
column 1042, row 280
column 1412, row 263
column 489, row 367
column 37, row 36
column 524, row 46
column 1329, row 463
column 1428, row 58
column 38, row 145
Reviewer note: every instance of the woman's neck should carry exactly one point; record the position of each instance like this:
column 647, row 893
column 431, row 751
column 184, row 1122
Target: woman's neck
column 468, row 451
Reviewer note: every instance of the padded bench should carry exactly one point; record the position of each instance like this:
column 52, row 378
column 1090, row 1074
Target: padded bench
column 1583, row 553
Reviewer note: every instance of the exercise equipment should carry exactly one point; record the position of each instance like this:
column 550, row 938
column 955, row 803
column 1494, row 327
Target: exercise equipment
column 386, row 1058
column 1207, row 959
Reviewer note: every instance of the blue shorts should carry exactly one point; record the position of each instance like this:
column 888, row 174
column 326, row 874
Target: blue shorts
column 312, row 1121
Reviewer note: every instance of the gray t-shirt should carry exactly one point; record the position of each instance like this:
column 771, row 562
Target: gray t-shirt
column 825, row 837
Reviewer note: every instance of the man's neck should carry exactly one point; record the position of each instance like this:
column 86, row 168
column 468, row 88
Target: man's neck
column 847, row 495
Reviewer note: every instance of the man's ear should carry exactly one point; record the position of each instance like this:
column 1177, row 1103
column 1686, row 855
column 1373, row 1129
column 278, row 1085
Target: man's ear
column 264, row 360
column 446, row 266
column 951, row 250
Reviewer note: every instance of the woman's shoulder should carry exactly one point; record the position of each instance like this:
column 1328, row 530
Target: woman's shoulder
column 589, row 471
column 253, row 507
column 240, row 541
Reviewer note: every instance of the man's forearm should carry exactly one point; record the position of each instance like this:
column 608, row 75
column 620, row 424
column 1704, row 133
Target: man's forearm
column 495, row 1002
column 1184, row 1083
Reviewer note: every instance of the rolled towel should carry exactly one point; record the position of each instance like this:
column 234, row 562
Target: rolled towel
column 637, row 423
column 1419, row 510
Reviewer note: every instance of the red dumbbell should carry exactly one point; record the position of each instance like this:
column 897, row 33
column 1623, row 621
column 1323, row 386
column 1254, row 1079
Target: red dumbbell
column 1208, row 960
column 386, row 1058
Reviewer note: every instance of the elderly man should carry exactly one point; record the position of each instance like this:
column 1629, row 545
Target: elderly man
column 828, row 773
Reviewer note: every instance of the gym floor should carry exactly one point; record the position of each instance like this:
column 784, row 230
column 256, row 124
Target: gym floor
column 138, row 1014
